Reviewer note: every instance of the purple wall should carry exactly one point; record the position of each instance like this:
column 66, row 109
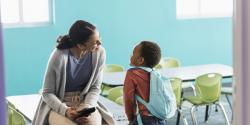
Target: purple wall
column 2, row 92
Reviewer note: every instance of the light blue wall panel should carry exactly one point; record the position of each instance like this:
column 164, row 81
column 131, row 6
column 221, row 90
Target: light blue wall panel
column 122, row 24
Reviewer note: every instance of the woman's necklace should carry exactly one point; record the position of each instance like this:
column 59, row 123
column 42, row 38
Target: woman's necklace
column 78, row 57
column 82, row 54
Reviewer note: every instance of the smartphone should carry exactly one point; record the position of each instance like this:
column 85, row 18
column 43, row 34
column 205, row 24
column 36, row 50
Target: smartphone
column 86, row 111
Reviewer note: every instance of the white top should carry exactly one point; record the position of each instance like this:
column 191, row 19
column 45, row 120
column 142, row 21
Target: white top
column 186, row 73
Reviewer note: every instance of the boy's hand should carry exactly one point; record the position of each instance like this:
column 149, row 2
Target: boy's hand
column 71, row 113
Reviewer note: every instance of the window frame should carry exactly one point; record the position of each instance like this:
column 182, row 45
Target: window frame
column 199, row 14
column 22, row 24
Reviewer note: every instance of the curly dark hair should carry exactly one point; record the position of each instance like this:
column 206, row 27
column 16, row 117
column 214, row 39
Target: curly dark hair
column 151, row 53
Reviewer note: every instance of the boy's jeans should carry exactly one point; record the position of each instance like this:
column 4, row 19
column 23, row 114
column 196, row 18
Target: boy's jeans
column 151, row 120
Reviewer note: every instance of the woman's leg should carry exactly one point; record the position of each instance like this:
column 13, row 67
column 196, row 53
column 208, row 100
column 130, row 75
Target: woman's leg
column 57, row 119
column 95, row 119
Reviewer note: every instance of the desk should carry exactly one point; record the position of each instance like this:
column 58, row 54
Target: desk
column 117, row 110
column 186, row 73
column 27, row 104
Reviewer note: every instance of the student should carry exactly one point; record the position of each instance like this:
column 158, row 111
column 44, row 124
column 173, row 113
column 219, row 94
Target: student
column 73, row 78
column 137, row 81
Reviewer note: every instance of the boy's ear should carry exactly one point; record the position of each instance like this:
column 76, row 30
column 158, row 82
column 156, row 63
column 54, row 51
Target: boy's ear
column 141, row 61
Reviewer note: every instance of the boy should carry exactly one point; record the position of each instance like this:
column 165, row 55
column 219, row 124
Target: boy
column 137, row 81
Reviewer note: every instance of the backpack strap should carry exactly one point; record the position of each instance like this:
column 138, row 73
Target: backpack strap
column 145, row 68
column 140, row 100
column 139, row 120
column 138, row 116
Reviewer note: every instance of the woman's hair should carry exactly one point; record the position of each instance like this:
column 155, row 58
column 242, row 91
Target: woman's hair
column 151, row 53
column 79, row 33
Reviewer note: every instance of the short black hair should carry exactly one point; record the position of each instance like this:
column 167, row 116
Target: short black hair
column 151, row 53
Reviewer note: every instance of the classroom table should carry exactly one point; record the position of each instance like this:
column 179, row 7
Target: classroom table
column 186, row 73
column 27, row 104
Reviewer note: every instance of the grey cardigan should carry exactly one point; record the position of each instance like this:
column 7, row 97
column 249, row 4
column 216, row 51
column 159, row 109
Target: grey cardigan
column 54, row 87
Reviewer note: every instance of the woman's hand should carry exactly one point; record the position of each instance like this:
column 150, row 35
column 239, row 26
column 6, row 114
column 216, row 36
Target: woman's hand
column 83, row 119
column 71, row 113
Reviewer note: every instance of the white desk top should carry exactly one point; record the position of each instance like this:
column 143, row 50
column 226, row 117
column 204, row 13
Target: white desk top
column 27, row 104
column 117, row 110
column 186, row 73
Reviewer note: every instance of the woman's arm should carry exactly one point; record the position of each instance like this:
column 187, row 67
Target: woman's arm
column 49, row 85
column 91, row 97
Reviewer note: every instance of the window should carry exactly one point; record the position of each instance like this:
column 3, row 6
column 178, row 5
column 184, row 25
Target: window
column 18, row 13
column 203, row 8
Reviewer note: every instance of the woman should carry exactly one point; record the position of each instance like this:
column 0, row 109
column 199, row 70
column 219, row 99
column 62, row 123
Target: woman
column 73, row 79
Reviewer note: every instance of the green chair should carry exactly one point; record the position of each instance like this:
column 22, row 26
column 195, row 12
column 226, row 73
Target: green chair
column 158, row 66
column 14, row 117
column 208, row 88
column 113, row 68
column 110, row 68
column 119, row 100
column 169, row 62
column 176, row 85
column 115, row 93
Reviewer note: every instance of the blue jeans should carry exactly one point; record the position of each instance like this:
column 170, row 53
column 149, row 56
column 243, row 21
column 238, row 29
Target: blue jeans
column 150, row 120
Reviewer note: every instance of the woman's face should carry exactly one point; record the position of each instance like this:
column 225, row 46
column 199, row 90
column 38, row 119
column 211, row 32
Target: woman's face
column 136, row 59
column 93, row 43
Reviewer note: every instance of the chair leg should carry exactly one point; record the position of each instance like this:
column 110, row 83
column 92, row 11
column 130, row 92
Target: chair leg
column 206, row 113
column 194, row 90
column 178, row 117
column 224, row 112
column 216, row 108
column 229, row 102
column 180, row 114
column 230, row 105
column 193, row 115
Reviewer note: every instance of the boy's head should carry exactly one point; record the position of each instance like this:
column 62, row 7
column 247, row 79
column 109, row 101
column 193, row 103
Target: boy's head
column 146, row 54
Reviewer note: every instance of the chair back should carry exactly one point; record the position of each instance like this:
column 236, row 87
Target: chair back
column 208, row 87
column 169, row 62
column 119, row 100
column 113, row 68
column 176, row 85
column 115, row 92
column 110, row 68
column 158, row 66
column 14, row 117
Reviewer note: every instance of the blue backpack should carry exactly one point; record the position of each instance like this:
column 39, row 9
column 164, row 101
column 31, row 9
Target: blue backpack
column 162, row 101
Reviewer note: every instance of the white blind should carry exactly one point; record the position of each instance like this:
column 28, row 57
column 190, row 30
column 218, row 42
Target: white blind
column 203, row 8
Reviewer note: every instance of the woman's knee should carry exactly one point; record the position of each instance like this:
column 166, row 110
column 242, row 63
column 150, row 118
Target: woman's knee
column 57, row 119
column 94, row 119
